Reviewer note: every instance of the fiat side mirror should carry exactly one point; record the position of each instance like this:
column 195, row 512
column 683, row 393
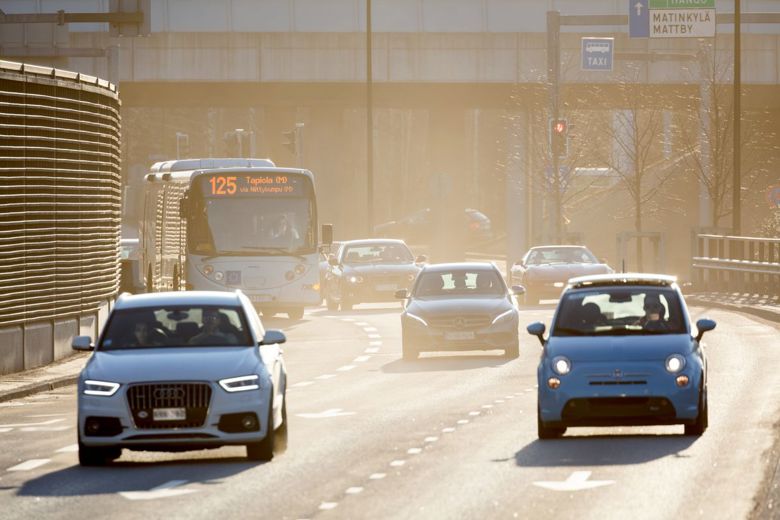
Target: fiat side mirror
column 704, row 325
column 537, row 329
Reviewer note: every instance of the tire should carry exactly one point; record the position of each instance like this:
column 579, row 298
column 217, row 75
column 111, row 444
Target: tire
column 702, row 420
column 91, row 456
column 512, row 351
column 295, row 314
column 264, row 449
column 545, row 432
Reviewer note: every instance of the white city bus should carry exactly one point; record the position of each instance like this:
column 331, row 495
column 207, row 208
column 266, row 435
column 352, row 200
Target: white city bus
column 219, row 226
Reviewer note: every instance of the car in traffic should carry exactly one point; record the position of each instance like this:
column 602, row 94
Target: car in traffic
column 621, row 351
column 420, row 227
column 460, row 306
column 544, row 270
column 178, row 371
column 369, row 271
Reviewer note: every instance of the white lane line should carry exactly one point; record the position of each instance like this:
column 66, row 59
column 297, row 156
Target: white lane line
column 362, row 323
column 398, row 463
column 370, row 329
column 509, row 397
column 372, row 350
column 447, row 430
column 45, row 428
column 414, row 451
column 577, row 481
column 347, row 319
column 354, row 490
column 345, row 368
column 326, row 376
column 332, row 412
column 69, row 449
column 327, row 506
column 487, row 406
column 38, row 416
column 463, row 421
column 374, row 343
column 498, row 401
column 431, row 439
column 22, row 425
column 374, row 336
column 302, row 383
column 361, row 359
column 162, row 491
column 30, row 464
column 5, row 430
column 474, row 414
column 377, row 476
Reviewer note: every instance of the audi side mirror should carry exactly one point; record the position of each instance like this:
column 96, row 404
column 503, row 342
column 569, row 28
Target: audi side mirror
column 273, row 337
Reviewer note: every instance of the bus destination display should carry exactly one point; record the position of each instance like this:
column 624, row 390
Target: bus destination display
column 252, row 184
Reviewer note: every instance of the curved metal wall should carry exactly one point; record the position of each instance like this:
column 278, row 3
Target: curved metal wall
column 60, row 194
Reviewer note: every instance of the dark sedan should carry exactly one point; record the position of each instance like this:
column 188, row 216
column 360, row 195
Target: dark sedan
column 460, row 306
column 369, row 271
column 544, row 270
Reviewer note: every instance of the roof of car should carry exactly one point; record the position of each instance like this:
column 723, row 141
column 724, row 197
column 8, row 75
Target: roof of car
column 450, row 266
column 561, row 246
column 162, row 299
column 622, row 279
column 367, row 241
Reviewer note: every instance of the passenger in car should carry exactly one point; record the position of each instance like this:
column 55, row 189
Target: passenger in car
column 145, row 336
column 211, row 333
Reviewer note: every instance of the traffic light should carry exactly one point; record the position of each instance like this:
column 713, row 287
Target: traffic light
column 289, row 141
column 559, row 137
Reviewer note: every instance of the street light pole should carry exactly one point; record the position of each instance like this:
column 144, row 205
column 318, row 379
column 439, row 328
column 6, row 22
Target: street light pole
column 369, row 126
column 736, row 195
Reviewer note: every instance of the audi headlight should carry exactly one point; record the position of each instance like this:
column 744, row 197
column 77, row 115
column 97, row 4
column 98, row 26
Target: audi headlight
column 503, row 316
column 561, row 365
column 101, row 388
column 417, row 318
column 355, row 279
column 240, row 384
column 675, row 363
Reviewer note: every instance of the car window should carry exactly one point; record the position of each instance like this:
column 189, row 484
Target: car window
column 568, row 255
column 619, row 311
column 378, row 253
column 459, row 283
column 175, row 327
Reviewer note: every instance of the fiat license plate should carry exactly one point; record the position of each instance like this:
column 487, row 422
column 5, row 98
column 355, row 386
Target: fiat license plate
column 169, row 414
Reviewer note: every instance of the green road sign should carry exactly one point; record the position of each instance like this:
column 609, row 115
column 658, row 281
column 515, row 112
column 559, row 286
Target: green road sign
column 682, row 4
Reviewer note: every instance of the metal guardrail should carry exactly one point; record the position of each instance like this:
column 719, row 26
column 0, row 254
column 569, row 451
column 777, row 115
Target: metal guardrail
column 745, row 264
column 60, row 195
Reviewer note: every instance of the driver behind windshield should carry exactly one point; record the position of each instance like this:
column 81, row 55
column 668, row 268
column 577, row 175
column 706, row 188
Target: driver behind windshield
column 211, row 332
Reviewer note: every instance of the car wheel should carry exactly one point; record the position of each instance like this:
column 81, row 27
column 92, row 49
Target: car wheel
column 702, row 420
column 264, row 449
column 295, row 314
column 409, row 349
column 280, row 436
column 546, row 432
column 94, row 456
column 512, row 350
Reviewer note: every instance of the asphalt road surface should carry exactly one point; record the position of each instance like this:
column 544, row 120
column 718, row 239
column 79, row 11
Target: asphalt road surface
column 447, row 436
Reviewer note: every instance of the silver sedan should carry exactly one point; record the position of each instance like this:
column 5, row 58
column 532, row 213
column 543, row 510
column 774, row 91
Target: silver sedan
column 180, row 371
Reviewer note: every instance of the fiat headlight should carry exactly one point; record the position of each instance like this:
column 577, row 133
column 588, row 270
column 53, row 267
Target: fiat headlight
column 675, row 363
column 355, row 279
column 561, row 365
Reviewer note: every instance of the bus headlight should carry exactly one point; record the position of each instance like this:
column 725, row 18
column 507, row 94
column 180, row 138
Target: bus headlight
column 208, row 269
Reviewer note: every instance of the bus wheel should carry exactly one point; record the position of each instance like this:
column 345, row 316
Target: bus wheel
column 295, row 314
column 149, row 282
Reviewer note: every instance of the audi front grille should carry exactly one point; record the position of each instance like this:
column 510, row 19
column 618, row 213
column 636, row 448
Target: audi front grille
column 194, row 398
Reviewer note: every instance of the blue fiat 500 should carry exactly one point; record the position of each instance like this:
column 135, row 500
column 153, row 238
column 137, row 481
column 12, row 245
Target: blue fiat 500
column 621, row 351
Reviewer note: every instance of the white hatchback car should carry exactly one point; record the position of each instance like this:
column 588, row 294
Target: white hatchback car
column 180, row 371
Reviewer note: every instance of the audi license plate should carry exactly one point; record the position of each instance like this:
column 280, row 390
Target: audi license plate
column 169, row 414
column 459, row 334
column 386, row 287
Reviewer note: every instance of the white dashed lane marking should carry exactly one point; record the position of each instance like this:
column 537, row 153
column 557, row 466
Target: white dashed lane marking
column 463, row 421
column 326, row 376
column 29, row 465
column 398, row 463
column 474, row 414
column 345, row 368
column 374, row 336
column 447, row 430
column 354, row 490
column 374, row 343
column 69, row 449
column 431, row 439
column 327, row 506
column 361, row 359
column 377, row 476
column 302, row 383
column 369, row 329
column 372, row 350
column 414, row 451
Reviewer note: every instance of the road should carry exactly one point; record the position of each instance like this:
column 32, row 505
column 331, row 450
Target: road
column 448, row 436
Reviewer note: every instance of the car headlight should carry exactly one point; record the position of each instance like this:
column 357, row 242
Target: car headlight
column 411, row 277
column 101, row 388
column 417, row 318
column 503, row 316
column 675, row 363
column 561, row 365
column 355, row 279
column 240, row 384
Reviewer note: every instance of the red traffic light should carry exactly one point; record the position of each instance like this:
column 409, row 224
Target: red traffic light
column 559, row 126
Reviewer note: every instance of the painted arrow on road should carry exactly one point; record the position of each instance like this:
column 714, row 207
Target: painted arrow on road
column 577, row 481
column 333, row 412
column 167, row 490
